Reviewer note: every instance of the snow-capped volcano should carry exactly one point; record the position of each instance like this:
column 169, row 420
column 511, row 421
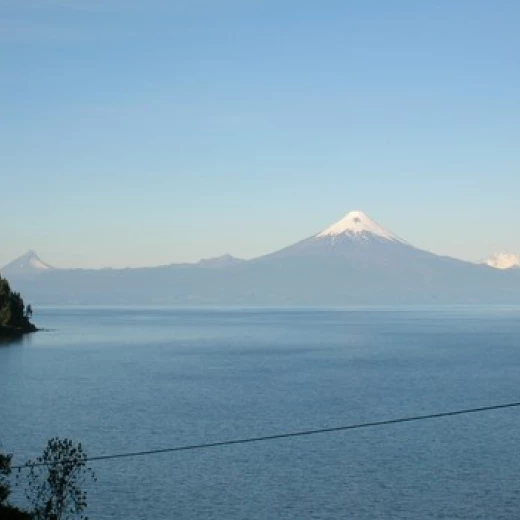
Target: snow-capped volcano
column 354, row 261
column 503, row 261
column 29, row 263
column 359, row 225
column 355, row 236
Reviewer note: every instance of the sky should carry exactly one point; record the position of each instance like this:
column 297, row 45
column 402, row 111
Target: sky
column 151, row 132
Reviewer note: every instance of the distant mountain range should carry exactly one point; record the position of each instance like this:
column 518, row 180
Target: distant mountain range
column 354, row 261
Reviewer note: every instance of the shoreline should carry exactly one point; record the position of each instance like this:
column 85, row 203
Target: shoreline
column 12, row 332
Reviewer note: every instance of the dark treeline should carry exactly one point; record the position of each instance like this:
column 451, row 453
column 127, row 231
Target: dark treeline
column 14, row 316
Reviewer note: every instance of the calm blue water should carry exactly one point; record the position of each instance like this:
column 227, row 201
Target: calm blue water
column 126, row 379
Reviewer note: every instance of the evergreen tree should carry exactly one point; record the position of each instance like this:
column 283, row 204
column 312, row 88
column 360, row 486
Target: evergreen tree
column 13, row 316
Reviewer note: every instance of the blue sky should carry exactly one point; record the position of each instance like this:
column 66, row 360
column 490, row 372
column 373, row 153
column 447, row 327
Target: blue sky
column 140, row 133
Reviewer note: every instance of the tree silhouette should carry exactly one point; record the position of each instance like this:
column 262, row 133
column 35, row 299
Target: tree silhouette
column 55, row 481
column 14, row 316
column 7, row 511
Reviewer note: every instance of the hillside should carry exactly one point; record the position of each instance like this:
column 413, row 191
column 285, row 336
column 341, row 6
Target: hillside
column 14, row 317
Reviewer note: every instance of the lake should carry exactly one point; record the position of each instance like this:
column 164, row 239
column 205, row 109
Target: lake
column 130, row 379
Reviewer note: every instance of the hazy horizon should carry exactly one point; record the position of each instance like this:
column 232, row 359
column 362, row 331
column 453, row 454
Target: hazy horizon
column 214, row 257
column 140, row 134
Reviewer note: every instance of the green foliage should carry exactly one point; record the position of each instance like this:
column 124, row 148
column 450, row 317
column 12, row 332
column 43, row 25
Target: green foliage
column 5, row 308
column 54, row 482
column 13, row 316
column 7, row 511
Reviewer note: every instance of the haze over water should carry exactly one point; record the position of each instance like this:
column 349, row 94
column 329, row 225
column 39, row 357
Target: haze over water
column 131, row 379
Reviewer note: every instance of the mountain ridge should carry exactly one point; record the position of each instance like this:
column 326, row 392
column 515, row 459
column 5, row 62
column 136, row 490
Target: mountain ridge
column 351, row 262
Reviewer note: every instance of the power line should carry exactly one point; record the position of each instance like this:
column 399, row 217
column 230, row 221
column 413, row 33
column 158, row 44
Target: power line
column 287, row 435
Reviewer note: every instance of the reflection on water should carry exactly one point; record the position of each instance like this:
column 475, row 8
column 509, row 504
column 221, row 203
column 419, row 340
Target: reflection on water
column 12, row 340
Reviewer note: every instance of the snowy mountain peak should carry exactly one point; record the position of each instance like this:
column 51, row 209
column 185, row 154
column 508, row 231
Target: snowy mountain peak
column 503, row 261
column 357, row 224
column 28, row 263
column 33, row 260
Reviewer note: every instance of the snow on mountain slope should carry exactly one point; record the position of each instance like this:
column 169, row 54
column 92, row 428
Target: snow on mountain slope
column 354, row 261
column 360, row 226
column 503, row 261
column 29, row 263
column 356, row 238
